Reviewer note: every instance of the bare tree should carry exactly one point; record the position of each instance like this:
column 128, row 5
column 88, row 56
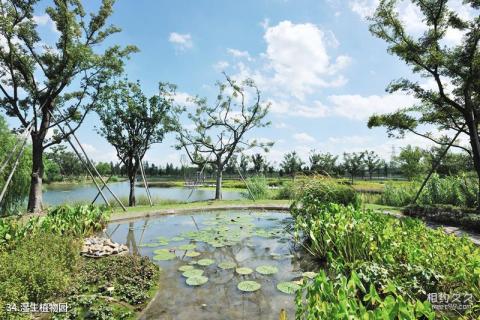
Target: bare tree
column 220, row 129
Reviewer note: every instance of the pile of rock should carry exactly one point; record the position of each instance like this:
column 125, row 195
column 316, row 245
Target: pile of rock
column 102, row 247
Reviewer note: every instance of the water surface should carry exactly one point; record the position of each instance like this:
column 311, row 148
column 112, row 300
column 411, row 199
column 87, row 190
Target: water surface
column 248, row 239
column 56, row 194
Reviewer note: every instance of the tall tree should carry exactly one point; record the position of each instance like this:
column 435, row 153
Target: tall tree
column 291, row 163
column 372, row 162
column 411, row 161
column 353, row 163
column 453, row 103
column 131, row 122
column 38, row 79
column 258, row 163
column 323, row 163
column 221, row 128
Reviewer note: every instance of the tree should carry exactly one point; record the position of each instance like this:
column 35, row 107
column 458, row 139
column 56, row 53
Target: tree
column 132, row 123
column 39, row 80
column 372, row 162
column 103, row 168
column 244, row 162
column 324, row 163
column 67, row 161
column 291, row 163
column 18, row 187
column 453, row 103
column 353, row 163
column 259, row 163
column 410, row 162
column 220, row 129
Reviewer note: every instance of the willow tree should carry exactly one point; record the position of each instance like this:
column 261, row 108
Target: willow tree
column 48, row 85
column 131, row 122
column 220, row 129
column 452, row 104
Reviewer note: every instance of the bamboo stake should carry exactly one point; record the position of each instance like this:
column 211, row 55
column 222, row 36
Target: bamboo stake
column 145, row 183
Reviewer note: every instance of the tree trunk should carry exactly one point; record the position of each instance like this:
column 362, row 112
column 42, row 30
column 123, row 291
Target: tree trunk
column 218, row 187
column 35, row 200
column 475, row 144
column 131, row 198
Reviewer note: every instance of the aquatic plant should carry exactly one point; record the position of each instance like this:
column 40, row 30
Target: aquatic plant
column 227, row 265
column 205, row 262
column 288, row 287
column 196, row 280
column 267, row 270
column 249, row 286
column 192, row 273
column 243, row 270
column 163, row 255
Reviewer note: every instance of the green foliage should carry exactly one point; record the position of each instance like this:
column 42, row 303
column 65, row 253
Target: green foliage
column 353, row 163
column 40, row 268
column 18, row 188
column 291, row 163
column 286, row 191
column 386, row 252
column 323, row 163
column 410, row 162
column 61, row 163
column 62, row 220
column 257, row 188
column 347, row 298
column 458, row 191
column 314, row 192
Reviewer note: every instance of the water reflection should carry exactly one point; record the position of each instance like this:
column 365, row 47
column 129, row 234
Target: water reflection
column 219, row 298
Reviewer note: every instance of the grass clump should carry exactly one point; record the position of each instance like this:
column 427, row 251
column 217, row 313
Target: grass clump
column 257, row 188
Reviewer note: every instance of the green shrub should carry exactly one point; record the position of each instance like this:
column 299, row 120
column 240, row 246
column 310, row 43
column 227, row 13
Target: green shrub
column 286, row 191
column 39, row 269
column 257, row 188
column 312, row 194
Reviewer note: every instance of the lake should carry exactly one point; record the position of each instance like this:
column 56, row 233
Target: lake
column 56, row 194
column 215, row 246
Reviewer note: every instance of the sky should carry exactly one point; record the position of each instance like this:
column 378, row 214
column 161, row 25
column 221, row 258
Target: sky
column 315, row 61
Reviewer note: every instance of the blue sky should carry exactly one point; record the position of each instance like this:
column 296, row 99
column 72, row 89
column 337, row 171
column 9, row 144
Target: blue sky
column 314, row 60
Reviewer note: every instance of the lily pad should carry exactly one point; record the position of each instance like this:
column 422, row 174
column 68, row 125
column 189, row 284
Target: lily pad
column 244, row 270
column 186, row 268
column 288, row 287
column 267, row 270
column 193, row 262
column 164, row 256
column 196, row 280
column 192, row 254
column 177, row 239
column 309, row 274
column 226, row 265
column 205, row 262
column 190, row 246
column 249, row 286
column 192, row 273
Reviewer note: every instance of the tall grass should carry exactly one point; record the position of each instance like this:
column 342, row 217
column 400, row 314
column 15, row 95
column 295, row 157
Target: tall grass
column 458, row 191
column 257, row 188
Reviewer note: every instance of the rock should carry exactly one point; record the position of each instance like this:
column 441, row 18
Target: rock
column 101, row 247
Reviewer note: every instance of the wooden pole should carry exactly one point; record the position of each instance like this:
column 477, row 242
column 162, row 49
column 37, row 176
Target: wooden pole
column 142, row 172
column 435, row 165
column 103, row 187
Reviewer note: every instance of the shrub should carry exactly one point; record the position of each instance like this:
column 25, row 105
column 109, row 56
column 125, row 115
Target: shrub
column 286, row 191
column 39, row 269
column 312, row 194
column 257, row 188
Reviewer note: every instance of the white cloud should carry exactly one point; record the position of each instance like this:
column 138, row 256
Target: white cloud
column 221, row 65
column 297, row 55
column 45, row 20
column 184, row 99
column 239, row 54
column 181, row 41
column 303, row 137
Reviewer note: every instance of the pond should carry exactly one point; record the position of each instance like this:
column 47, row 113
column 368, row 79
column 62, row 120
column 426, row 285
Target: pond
column 207, row 257
column 56, row 194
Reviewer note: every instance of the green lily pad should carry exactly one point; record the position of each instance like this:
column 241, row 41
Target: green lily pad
column 226, row 265
column 288, row 287
column 244, row 270
column 192, row 273
column 192, row 254
column 164, row 256
column 193, row 262
column 186, row 268
column 177, row 239
column 309, row 274
column 150, row 245
column 266, row 270
column 249, row 286
column 205, row 262
column 190, row 246
column 196, row 280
